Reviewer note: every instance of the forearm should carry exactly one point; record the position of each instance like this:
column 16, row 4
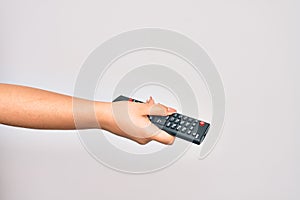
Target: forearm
column 34, row 108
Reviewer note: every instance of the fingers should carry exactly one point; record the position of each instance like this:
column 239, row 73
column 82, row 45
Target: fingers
column 158, row 109
column 151, row 101
column 164, row 138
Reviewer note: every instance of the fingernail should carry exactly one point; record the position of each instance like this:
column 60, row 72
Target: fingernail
column 171, row 109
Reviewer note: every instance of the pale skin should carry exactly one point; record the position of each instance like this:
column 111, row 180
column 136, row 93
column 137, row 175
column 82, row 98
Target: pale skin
column 28, row 107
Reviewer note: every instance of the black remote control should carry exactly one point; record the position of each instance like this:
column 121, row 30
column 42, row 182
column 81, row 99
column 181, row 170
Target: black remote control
column 178, row 125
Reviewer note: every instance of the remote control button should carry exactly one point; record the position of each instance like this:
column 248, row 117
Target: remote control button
column 179, row 116
column 194, row 124
column 150, row 118
column 178, row 128
column 173, row 126
column 191, row 128
column 182, row 122
column 194, row 133
column 167, row 117
column 183, row 129
column 187, row 124
column 189, row 132
column 160, row 121
column 175, row 114
column 185, row 118
column 190, row 119
column 202, row 123
column 197, row 136
column 168, row 124
column 177, row 120
column 172, row 119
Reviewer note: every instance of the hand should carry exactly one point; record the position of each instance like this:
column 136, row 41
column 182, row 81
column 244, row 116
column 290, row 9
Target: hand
column 129, row 120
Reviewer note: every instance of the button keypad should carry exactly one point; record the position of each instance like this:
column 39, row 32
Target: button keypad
column 183, row 124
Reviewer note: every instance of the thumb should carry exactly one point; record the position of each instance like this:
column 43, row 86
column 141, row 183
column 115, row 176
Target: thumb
column 162, row 110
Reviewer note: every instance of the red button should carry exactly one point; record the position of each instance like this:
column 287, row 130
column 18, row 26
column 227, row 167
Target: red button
column 201, row 123
column 130, row 99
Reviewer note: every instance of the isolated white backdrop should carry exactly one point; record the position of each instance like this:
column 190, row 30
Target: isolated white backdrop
column 254, row 45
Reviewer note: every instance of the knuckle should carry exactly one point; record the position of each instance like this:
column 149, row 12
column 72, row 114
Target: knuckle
column 143, row 141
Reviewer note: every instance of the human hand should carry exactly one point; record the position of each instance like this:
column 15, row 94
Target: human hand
column 129, row 120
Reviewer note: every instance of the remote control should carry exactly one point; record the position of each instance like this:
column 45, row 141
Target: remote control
column 176, row 124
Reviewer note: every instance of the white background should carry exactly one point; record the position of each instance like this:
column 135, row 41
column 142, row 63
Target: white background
column 255, row 47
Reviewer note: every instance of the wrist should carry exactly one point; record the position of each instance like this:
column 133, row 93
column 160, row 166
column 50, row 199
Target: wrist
column 103, row 114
